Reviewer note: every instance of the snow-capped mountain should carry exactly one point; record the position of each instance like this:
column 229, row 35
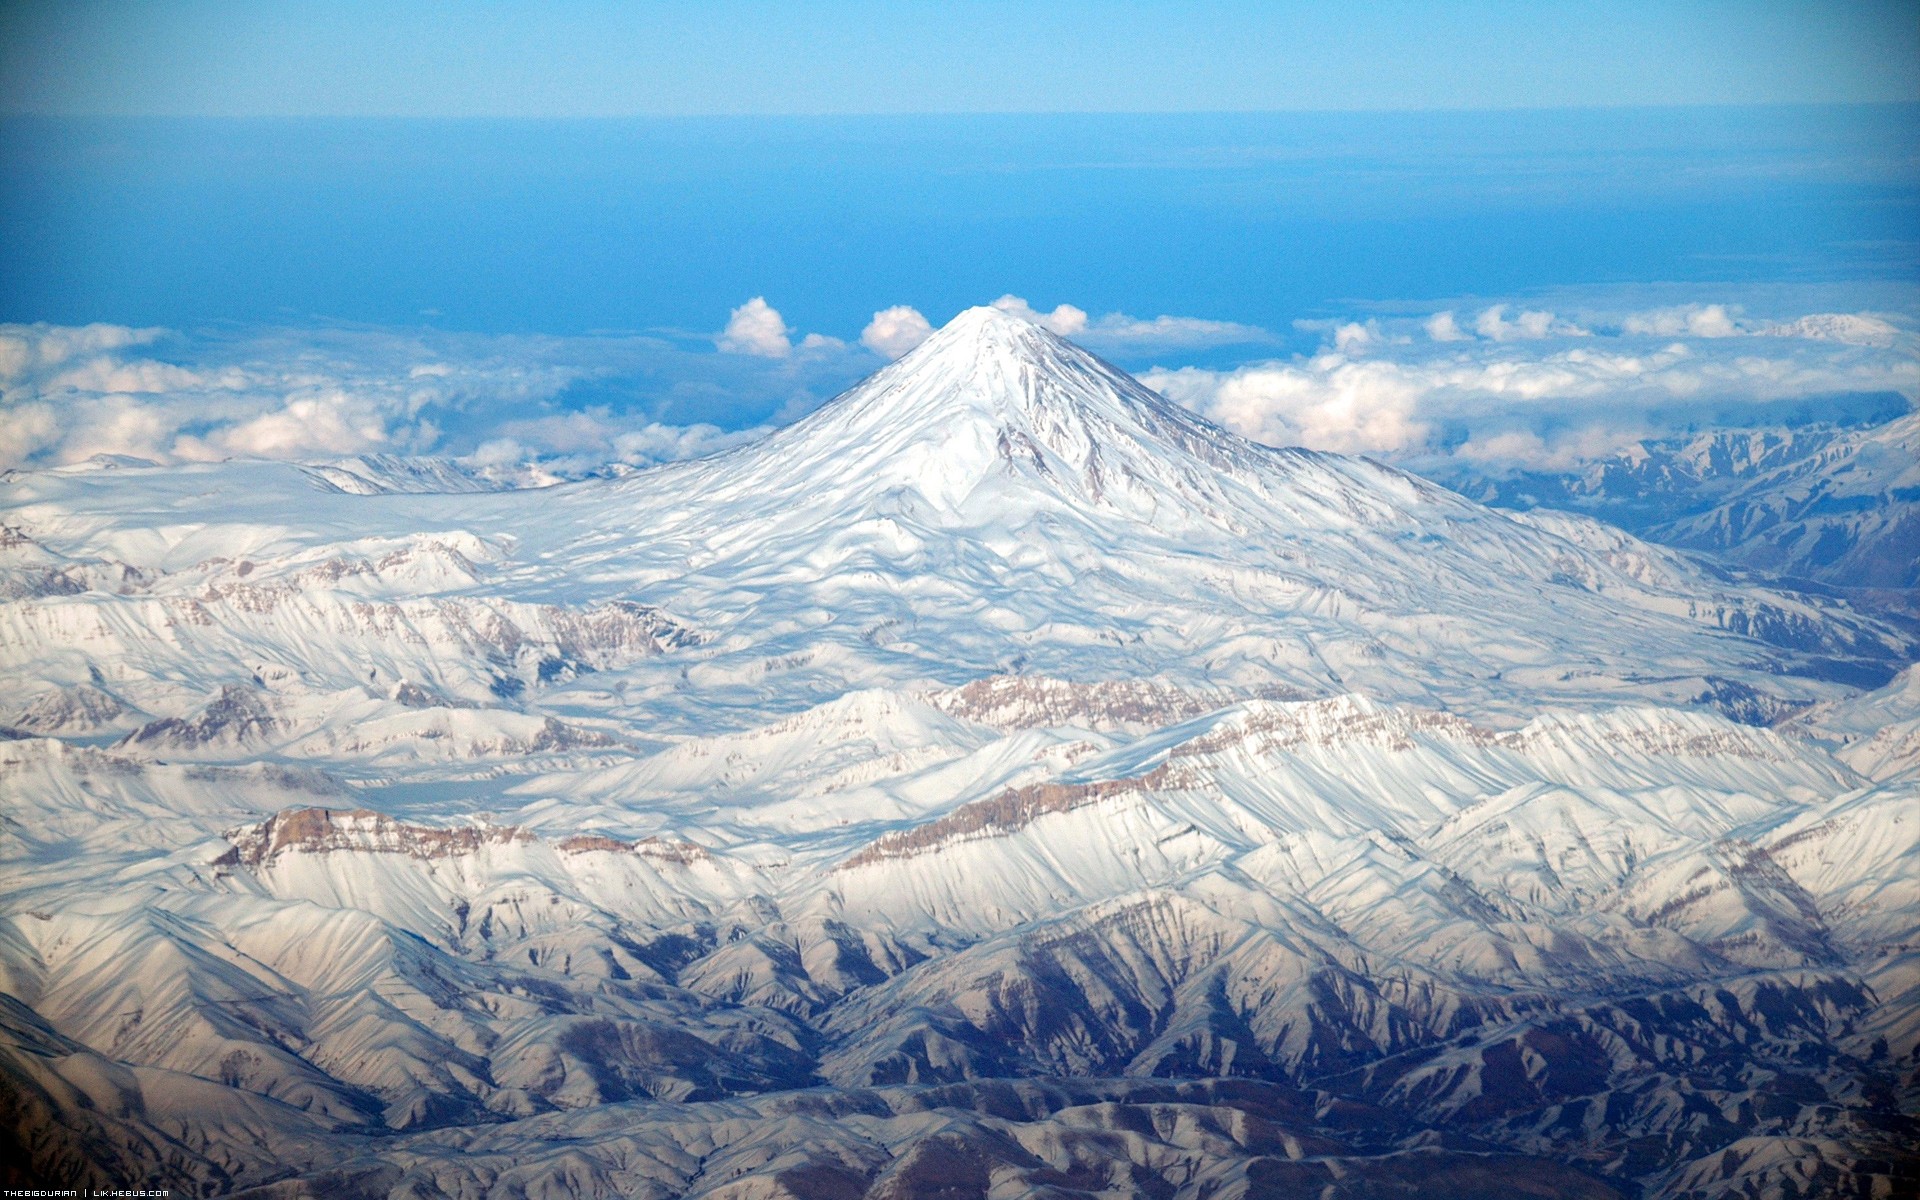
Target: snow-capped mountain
column 373, row 474
column 1000, row 780
column 1848, row 515
column 1827, row 503
column 998, row 501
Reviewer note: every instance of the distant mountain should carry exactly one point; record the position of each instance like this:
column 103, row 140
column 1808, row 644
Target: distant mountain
column 1000, row 782
column 1846, row 514
column 372, row 474
column 1836, row 505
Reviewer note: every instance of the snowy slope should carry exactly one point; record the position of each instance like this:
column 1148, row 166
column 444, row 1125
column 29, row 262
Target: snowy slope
column 1879, row 732
column 998, row 501
column 1848, row 514
column 1822, row 502
column 1000, row 775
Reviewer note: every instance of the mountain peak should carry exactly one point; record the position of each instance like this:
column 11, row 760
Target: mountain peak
column 985, row 327
column 984, row 320
column 982, row 343
column 994, row 405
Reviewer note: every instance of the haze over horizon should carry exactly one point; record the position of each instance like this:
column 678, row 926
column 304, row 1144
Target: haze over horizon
column 580, row 59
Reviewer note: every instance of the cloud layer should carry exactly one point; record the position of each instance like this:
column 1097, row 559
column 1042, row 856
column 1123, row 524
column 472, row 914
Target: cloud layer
column 757, row 328
column 1496, row 384
column 1120, row 332
column 1531, row 388
column 70, row 394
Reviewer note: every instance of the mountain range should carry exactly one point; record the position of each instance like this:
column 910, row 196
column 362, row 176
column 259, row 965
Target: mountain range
column 998, row 782
column 1826, row 504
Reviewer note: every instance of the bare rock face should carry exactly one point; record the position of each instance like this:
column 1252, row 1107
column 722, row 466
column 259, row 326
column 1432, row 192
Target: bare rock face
column 76, row 709
column 651, row 847
column 357, row 831
column 325, row 830
column 1821, row 502
column 1012, row 810
column 237, row 715
column 609, row 633
column 1263, row 729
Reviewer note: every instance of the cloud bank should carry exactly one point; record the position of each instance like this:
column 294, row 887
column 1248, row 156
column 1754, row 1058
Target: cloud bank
column 1495, row 384
column 896, row 330
column 68, row 395
column 1533, row 389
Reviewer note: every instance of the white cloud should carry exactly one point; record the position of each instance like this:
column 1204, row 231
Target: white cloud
column 1854, row 329
column 1727, row 321
column 26, row 430
column 1326, row 403
column 1532, row 324
column 562, row 433
column 1442, row 327
column 1134, row 334
column 579, row 442
column 656, row 443
column 573, row 405
column 1065, row 319
column 1557, row 450
column 118, row 425
column 72, row 394
column 104, row 374
column 1686, row 320
column 1354, row 338
column 894, row 331
column 1520, row 399
column 1698, row 320
column 313, row 395
column 756, row 328
column 37, row 348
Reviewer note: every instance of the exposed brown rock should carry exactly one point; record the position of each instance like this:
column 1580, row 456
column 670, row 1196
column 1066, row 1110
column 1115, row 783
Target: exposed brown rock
column 673, row 852
column 587, row 843
column 323, row 830
column 313, row 830
column 651, row 847
column 1011, row 810
column 236, row 714
column 1665, row 740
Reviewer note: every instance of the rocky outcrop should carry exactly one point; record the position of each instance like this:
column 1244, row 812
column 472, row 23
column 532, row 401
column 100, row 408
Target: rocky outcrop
column 323, row 830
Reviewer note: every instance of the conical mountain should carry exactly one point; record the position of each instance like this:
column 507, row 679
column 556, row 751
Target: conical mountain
column 993, row 397
column 994, row 418
column 1001, row 500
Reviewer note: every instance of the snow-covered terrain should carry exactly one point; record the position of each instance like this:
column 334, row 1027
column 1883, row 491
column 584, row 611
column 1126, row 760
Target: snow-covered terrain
column 1000, row 780
column 1828, row 503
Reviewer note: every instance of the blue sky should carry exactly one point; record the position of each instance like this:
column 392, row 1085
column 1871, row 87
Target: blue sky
column 557, row 59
